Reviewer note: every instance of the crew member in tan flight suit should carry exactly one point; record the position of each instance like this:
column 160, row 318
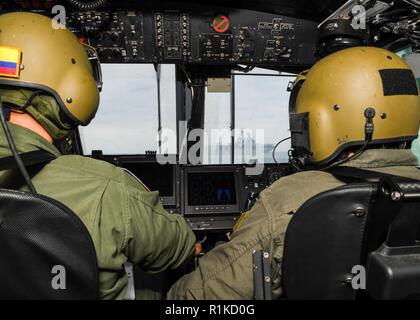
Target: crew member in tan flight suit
column 333, row 97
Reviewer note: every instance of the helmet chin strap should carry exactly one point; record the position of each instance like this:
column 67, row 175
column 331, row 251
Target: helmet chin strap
column 26, row 121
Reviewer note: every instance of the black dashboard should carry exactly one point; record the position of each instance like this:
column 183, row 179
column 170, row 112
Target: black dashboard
column 212, row 197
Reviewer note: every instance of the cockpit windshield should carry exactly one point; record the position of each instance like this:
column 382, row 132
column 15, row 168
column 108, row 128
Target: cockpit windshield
column 128, row 120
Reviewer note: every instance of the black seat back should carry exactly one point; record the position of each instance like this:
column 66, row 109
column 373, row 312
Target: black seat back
column 37, row 236
column 324, row 241
column 369, row 225
column 393, row 269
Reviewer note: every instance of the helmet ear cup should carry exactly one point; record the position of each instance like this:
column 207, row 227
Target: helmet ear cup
column 96, row 66
column 294, row 94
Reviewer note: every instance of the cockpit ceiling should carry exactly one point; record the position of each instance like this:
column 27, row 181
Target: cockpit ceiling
column 315, row 10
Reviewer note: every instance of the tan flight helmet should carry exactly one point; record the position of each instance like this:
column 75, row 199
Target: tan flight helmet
column 354, row 98
column 51, row 59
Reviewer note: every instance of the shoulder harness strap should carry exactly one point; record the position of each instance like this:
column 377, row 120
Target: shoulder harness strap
column 33, row 158
column 354, row 175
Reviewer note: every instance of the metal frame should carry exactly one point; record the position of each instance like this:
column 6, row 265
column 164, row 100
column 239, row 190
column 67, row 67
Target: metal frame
column 262, row 275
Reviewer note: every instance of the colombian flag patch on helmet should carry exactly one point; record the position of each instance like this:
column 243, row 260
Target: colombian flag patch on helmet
column 10, row 59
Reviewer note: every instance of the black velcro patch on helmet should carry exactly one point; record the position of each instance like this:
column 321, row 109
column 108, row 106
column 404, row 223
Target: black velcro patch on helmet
column 398, row 82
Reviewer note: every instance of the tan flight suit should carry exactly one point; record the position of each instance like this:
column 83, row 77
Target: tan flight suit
column 125, row 221
column 226, row 271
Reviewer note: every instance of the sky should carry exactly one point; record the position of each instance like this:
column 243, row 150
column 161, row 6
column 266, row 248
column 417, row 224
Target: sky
column 127, row 120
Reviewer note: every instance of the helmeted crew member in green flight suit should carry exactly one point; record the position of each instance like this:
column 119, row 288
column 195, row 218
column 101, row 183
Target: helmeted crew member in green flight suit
column 51, row 86
column 332, row 98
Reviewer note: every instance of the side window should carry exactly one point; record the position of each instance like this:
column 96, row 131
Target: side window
column 127, row 119
column 261, row 116
column 260, row 101
column 413, row 59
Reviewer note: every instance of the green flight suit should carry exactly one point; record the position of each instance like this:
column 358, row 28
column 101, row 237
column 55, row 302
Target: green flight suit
column 226, row 271
column 125, row 220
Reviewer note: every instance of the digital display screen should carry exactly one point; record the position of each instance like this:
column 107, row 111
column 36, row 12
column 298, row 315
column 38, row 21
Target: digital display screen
column 211, row 188
column 155, row 176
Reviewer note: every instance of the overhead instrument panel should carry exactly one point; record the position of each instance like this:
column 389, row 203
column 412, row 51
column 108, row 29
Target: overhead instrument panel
column 117, row 36
column 172, row 36
column 206, row 37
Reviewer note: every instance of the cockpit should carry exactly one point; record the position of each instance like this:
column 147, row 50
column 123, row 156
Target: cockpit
column 196, row 96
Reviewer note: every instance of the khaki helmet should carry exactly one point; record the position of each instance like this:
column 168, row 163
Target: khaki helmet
column 347, row 93
column 38, row 53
